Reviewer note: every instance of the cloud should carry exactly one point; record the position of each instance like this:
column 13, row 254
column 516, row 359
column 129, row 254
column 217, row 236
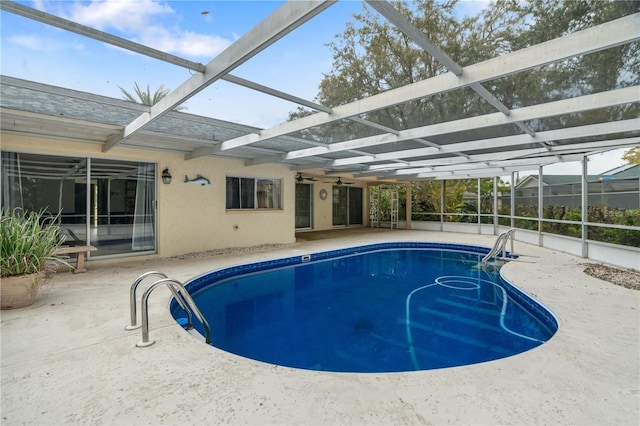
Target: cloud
column 28, row 41
column 147, row 22
column 180, row 42
column 36, row 43
column 123, row 15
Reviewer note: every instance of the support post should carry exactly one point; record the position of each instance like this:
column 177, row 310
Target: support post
column 409, row 206
column 584, row 207
column 540, row 206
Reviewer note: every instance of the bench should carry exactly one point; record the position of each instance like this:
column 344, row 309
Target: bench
column 79, row 251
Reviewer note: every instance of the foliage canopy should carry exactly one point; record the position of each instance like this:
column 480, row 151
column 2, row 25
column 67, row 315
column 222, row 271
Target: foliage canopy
column 371, row 56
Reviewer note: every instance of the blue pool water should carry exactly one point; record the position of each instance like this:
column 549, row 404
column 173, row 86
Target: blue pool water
column 380, row 308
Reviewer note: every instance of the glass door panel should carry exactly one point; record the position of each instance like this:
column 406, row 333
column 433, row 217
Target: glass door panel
column 34, row 182
column 303, row 205
column 340, row 199
column 123, row 206
column 355, row 206
column 109, row 204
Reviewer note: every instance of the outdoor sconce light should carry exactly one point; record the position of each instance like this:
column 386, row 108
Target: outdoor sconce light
column 166, row 176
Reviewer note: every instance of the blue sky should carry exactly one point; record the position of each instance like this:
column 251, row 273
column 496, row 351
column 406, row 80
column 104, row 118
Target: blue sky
column 295, row 64
column 196, row 30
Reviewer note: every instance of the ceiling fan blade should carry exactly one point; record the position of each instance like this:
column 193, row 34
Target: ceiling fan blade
column 300, row 178
column 339, row 182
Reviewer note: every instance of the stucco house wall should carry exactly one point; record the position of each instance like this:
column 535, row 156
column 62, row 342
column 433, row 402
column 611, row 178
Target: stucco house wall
column 322, row 209
column 193, row 218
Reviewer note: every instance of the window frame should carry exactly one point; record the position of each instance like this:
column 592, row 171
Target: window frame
column 258, row 196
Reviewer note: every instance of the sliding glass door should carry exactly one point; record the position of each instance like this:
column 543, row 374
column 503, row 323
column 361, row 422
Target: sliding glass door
column 347, row 206
column 304, row 197
column 109, row 204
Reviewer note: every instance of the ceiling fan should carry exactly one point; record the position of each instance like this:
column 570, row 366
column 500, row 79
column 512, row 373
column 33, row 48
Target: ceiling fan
column 340, row 182
column 300, row 178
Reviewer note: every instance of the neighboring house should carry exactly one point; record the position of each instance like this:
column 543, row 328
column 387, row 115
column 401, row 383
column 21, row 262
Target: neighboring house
column 550, row 180
column 613, row 188
column 628, row 171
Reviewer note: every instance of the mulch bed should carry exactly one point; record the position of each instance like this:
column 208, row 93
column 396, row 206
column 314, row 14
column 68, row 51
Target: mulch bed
column 623, row 277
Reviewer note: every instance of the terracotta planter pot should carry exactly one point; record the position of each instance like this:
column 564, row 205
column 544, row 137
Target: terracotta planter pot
column 19, row 291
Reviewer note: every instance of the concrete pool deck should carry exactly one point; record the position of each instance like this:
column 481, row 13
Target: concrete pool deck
column 68, row 360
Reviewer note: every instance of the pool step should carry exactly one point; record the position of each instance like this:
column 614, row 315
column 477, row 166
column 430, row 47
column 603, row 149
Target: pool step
column 406, row 346
column 461, row 319
column 467, row 307
column 457, row 337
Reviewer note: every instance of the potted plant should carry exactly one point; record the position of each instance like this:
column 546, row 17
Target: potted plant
column 28, row 243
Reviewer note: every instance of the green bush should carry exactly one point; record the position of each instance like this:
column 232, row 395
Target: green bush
column 28, row 242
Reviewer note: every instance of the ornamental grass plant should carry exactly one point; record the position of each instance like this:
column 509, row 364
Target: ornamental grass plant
column 28, row 242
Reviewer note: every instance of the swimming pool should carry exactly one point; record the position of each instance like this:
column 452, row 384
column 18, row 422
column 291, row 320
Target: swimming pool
column 386, row 307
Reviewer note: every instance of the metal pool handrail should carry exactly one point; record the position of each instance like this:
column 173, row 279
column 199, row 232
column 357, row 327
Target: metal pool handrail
column 182, row 293
column 132, row 297
column 500, row 246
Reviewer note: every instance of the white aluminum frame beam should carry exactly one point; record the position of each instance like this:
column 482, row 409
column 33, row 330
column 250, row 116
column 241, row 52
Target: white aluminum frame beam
column 518, row 140
column 555, row 108
column 421, row 166
column 567, row 133
column 67, row 25
column 611, row 34
column 282, row 21
column 494, row 169
column 559, row 154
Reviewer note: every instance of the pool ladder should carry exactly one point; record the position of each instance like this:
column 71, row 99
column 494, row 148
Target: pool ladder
column 499, row 248
column 178, row 291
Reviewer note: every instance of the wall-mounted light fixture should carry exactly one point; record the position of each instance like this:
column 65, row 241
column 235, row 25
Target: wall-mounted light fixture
column 166, row 176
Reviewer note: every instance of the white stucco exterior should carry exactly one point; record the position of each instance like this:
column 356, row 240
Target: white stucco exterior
column 193, row 218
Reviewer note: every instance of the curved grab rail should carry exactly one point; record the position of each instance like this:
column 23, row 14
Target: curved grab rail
column 180, row 293
column 132, row 297
column 500, row 245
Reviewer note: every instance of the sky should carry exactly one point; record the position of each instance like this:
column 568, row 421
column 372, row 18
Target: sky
column 194, row 30
column 38, row 52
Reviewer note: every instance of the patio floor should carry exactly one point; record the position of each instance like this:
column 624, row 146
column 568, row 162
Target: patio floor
column 68, row 360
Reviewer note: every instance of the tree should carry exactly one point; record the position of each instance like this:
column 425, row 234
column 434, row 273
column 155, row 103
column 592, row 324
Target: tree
column 371, row 56
column 145, row 97
column 591, row 73
column 632, row 156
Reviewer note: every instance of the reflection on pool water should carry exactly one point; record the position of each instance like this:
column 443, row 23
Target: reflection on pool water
column 381, row 308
